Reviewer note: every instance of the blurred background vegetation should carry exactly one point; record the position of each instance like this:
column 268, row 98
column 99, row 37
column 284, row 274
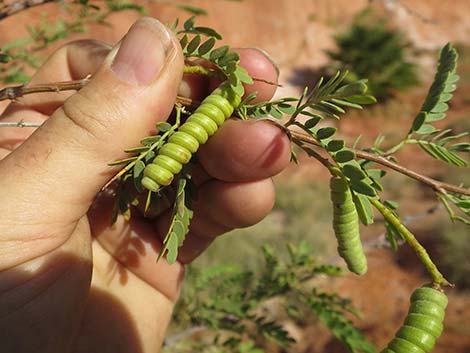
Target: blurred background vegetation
column 370, row 49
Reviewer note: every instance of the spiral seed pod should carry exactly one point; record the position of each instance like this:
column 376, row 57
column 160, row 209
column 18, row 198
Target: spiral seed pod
column 423, row 324
column 346, row 226
column 202, row 124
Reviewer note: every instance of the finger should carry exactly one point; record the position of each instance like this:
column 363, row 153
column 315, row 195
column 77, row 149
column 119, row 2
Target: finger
column 135, row 245
column 60, row 168
column 73, row 61
column 258, row 64
column 222, row 207
column 245, row 150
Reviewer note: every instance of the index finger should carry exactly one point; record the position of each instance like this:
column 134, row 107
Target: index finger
column 258, row 64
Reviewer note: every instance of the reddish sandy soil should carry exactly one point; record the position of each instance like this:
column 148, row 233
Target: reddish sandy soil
column 296, row 33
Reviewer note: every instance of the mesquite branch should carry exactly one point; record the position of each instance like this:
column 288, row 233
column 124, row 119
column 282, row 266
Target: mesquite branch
column 18, row 6
column 15, row 92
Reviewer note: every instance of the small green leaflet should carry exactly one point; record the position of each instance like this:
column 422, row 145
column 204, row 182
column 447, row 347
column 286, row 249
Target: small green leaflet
column 335, row 145
column 163, row 126
column 431, row 139
column 138, row 173
column 364, row 209
column 179, row 226
column 442, row 153
column 325, row 132
column 193, row 44
column 218, row 53
column 344, row 155
column 353, row 171
column 205, row 47
column 362, row 187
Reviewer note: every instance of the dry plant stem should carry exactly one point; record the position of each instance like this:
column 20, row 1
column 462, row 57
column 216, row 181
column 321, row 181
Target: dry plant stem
column 15, row 92
column 20, row 123
column 437, row 277
column 201, row 70
column 18, row 6
column 438, row 186
column 313, row 153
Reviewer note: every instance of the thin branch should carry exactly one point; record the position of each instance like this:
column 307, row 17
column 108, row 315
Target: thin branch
column 438, row 186
column 313, row 154
column 21, row 5
column 20, row 123
column 15, row 92
column 175, row 338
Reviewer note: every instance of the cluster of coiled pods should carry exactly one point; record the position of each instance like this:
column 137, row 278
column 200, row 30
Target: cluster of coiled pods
column 424, row 321
column 195, row 131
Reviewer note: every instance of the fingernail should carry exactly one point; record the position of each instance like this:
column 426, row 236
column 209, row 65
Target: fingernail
column 271, row 60
column 142, row 52
column 184, row 89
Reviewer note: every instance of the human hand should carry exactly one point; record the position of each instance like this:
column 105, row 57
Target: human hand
column 70, row 282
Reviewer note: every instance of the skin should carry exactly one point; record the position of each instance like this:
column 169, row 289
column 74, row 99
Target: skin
column 69, row 282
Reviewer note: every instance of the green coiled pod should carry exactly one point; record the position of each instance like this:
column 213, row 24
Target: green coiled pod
column 204, row 121
column 185, row 140
column 346, row 226
column 195, row 130
column 202, row 124
column 423, row 323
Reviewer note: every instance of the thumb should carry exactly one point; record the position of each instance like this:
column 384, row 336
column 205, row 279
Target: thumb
column 55, row 174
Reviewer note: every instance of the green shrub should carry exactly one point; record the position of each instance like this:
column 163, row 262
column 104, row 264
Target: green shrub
column 454, row 247
column 371, row 50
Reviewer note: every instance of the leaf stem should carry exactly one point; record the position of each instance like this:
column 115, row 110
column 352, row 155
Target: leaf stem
column 420, row 251
column 201, row 70
column 143, row 154
column 315, row 155
column 395, row 148
column 20, row 5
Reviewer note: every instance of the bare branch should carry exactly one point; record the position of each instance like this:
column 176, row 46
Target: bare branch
column 20, row 5
column 20, row 123
column 179, row 336
column 15, row 92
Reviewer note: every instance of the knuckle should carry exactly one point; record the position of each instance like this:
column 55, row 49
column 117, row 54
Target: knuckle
column 80, row 110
